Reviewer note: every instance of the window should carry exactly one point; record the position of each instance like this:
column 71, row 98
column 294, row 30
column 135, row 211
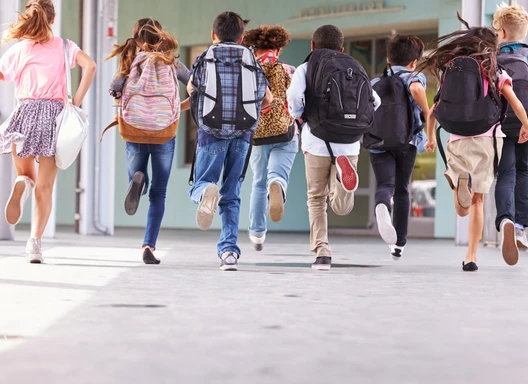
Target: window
column 190, row 126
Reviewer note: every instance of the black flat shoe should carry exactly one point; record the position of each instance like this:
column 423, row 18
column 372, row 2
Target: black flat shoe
column 469, row 267
column 134, row 193
column 149, row 258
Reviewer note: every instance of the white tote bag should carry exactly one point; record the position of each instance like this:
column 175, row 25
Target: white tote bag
column 72, row 124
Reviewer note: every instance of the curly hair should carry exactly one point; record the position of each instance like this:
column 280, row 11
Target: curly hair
column 267, row 37
column 478, row 42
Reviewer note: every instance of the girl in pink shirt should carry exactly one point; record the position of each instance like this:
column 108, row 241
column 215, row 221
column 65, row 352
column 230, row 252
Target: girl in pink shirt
column 36, row 65
column 470, row 159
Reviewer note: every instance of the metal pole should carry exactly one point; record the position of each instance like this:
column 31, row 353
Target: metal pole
column 78, row 188
column 7, row 103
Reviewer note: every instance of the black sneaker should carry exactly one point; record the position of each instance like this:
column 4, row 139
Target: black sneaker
column 134, row 193
column 322, row 263
column 469, row 267
column 149, row 258
column 396, row 252
column 229, row 261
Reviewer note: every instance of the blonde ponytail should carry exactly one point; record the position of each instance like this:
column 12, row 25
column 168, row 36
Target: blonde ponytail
column 34, row 24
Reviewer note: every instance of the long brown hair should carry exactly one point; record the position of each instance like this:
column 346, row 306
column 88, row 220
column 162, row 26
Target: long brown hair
column 478, row 42
column 147, row 36
column 34, row 24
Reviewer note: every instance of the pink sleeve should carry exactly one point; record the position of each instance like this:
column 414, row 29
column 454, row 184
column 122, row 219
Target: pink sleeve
column 74, row 50
column 9, row 63
column 504, row 78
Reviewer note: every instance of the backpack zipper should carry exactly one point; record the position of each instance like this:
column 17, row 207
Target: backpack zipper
column 339, row 93
column 359, row 96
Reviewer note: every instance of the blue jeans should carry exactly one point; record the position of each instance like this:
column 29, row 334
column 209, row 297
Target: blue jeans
column 229, row 155
column 270, row 162
column 137, row 161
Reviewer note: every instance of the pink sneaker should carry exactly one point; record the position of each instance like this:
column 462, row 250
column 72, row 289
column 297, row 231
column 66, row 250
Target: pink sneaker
column 346, row 174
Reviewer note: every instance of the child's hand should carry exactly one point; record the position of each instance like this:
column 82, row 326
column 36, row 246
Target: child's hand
column 523, row 136
column 430, row 145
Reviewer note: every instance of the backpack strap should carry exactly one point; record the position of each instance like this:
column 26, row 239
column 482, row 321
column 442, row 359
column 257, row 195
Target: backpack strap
column 246, row 162
column 112, row 124
column 193, row 164
column 330, row 152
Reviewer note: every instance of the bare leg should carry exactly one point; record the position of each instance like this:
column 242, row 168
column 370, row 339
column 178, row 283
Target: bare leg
column 43, row 195
column 476, row 225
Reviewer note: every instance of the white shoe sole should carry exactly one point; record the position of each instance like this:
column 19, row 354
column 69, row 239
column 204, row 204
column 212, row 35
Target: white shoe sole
column 207, row 207
column 385, row 227
column 510, row 252
column 276, row 201
column 321, row 267
column 15, row 206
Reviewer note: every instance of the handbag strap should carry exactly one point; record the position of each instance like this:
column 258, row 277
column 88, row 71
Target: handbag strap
column 67, row 67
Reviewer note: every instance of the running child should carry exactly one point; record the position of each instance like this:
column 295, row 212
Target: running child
column 37, row 66
column 275, row 143
column 470, row 106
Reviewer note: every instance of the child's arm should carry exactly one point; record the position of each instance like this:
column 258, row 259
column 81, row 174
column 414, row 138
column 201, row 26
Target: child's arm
column 520, row 112
column 430, row 145
column 189, row 85
column 89, row 67
column 185, row 105
column 267, row 99
column 295, row 93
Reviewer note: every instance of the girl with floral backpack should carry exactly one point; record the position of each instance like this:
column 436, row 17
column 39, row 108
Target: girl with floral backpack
column 146, row 87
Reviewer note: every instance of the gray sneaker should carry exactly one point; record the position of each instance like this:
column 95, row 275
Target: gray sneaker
column 522, row 240
column 229, row 261
column 207, row 206
column 33, row 251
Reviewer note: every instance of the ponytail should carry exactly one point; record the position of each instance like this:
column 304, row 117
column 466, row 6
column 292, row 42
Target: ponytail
column 34, row 24
column 148, row 36
column 128, row 54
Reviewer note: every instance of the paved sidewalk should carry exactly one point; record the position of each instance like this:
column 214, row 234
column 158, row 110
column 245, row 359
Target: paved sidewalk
column 95, row 314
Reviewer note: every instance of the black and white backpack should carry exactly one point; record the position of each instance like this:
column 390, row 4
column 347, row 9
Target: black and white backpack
column 339, row 101
column 516, row 66
column 228, row 89
column 393, row 125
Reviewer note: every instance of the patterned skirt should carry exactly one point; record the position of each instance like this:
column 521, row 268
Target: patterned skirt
column 31, row 128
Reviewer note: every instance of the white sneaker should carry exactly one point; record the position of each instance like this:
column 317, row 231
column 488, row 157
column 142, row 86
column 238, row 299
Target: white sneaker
column 19, row 195
column 33, row 251
column 229, row 261
column 510, row 252
column 207, row 206
column 396, row 252
column 258, row 242
column 522, row 241
column 385, row 227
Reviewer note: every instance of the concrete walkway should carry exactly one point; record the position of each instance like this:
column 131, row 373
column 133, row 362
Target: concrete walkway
column 95, row 314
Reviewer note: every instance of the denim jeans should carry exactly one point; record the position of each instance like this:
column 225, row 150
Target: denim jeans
column 511, row 191
column 161, row 155
column 229, row 155
column 393, row 171
column 270, row 162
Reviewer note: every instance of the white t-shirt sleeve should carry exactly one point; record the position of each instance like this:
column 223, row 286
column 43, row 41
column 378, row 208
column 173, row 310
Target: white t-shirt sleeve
column 73, row 51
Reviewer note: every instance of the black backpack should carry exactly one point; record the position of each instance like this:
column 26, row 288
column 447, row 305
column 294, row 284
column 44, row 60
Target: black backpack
column 339, row 102
column 394, row 119
column 461, row 107
column 516, row 66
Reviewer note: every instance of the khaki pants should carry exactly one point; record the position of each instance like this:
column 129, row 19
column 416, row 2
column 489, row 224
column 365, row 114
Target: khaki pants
column 322, row 183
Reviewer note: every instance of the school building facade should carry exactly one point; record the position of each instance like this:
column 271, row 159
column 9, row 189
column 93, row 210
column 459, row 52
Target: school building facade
column 366, row 24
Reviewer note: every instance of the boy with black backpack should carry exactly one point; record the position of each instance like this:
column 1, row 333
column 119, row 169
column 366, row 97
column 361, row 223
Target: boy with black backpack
column 331, row 95
column 511, row 193
column 396, row 137
column 228, row 89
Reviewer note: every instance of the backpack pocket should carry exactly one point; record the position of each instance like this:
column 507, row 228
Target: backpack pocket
column 149, row 112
